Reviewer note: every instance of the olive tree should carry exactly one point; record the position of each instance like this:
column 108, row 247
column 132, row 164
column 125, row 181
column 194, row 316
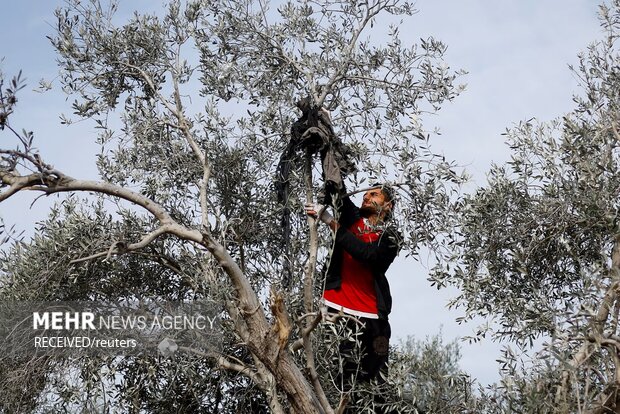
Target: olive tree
column 193, row 108
column 538, row 248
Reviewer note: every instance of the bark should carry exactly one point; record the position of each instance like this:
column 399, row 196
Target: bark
column 309, row 292
column 263, row 340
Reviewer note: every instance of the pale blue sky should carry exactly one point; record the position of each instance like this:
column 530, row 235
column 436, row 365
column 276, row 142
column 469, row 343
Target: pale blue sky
column 516, row 53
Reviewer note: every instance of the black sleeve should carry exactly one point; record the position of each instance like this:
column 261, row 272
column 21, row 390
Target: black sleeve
column 346, row 212
column 378, row 254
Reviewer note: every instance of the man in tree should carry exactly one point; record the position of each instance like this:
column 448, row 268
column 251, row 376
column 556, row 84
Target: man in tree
column 194, row 228
column 356, row 285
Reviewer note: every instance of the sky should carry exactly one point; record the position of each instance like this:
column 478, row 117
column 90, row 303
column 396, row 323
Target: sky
column 516, row 53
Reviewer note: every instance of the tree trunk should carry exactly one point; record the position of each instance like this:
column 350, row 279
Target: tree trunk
column 289, row 377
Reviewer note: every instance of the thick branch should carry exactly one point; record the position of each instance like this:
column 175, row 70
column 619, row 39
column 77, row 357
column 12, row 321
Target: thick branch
column 224, row 363
column 306, row 331
column 58, row 183
column 116, row 249
column 309, row 290
column 203, row 196
column 17, row 183
column 245, row 293
column 270, row 387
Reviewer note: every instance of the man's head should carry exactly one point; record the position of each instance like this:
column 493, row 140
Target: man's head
column 378, row 202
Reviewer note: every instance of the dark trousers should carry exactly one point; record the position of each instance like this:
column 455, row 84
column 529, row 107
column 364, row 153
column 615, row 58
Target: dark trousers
column 373, row 336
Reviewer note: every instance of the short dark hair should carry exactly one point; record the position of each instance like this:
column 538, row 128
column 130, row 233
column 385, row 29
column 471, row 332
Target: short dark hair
column 388, row 192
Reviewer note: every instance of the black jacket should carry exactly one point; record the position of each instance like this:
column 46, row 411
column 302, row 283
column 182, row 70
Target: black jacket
column 378, row 255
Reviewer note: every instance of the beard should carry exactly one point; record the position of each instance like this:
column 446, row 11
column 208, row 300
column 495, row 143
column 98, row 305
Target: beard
column 367, row 211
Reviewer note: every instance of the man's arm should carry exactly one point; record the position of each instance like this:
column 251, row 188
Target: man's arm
column 379, row 253
column 346, row 212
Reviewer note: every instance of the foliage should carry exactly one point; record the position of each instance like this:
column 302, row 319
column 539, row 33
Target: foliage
column 193, row 107
column 427, row 374
column 537, row 249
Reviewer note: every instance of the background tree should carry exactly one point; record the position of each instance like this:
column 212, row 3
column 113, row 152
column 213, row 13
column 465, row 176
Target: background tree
column 538, row 248
column 193, row 110
column 429, row 377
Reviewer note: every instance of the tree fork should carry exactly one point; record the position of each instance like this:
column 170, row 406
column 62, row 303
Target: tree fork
column 264, row 340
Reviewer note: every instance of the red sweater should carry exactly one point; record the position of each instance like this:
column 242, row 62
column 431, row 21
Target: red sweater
column 356, row 294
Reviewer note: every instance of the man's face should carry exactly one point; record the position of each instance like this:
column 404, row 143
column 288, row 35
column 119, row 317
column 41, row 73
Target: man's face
column 374, row 203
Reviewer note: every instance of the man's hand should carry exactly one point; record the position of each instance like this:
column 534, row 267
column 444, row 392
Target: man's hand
column 313, row 209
